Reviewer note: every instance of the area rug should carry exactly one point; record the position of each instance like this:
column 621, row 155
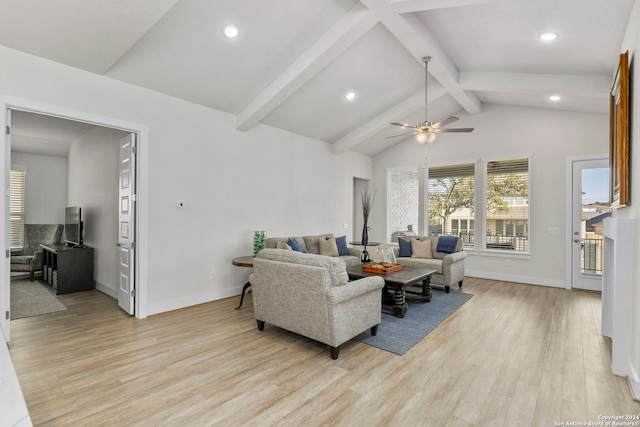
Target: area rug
column 32, row 299
column 398, row 335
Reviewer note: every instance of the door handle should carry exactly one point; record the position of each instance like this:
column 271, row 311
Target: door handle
column 119, row 244
column 577, row 241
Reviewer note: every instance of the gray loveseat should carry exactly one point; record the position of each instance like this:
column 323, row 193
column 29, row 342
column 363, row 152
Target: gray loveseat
column 449, row 266
column 310, row 245
column 29, row 258
column 310, row 295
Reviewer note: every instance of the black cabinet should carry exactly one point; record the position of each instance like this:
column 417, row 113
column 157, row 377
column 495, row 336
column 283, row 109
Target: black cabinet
column 68, row 269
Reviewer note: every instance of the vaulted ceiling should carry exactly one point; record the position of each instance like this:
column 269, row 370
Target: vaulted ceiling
column 294, row 61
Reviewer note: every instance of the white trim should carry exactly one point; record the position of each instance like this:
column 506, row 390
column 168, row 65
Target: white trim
column 529, row 280
column 107, row 290
column 142, row 200
column 634, row 381
column 189, row 301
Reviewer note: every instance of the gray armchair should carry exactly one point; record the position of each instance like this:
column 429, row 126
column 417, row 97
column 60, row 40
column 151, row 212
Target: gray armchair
column 29, row 259
column 310, row 295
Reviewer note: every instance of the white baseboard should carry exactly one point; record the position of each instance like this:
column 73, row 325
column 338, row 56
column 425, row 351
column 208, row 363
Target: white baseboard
column 554, row 283
column 634, row 382
column 176, row 304
column 107, row 290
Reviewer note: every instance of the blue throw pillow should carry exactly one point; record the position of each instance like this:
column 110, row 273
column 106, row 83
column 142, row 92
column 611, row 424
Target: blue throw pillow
column 341, row 243
column 447, row 244
column 295, row 245
column 405, row 247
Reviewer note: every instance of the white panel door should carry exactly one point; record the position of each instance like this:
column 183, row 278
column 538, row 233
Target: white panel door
column 5, row 269
column 126, row 225
column 590, row 207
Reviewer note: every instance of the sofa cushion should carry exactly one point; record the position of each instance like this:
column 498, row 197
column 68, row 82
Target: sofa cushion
column 312, row 242
column 341, row 243
column 22, row 259
column 447, row 244
column 295, row 245
column 328, row 247
column 336, row 267
column 421, row 248
column 283, row 245
column 404, row 247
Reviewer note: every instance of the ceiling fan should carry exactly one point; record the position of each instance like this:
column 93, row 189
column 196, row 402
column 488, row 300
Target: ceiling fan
column 426, row 131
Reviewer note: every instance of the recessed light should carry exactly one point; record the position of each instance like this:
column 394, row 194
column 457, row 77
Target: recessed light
column 350, row 96
column 555, row 98
column 231, row 31
column 548, row 36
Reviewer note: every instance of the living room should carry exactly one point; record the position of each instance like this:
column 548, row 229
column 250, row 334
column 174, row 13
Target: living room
column 233, row 182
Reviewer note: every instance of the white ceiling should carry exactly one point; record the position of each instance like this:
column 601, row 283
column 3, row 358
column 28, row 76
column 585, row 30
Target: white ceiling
column 295, row 59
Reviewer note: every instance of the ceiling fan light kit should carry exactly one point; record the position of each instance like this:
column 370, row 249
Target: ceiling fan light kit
column 426, row 131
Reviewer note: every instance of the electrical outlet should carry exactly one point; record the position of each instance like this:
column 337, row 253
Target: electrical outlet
column 346, row 226
column 212, row 275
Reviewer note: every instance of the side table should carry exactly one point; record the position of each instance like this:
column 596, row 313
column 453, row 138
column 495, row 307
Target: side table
column 364, row 257
column 243, row 261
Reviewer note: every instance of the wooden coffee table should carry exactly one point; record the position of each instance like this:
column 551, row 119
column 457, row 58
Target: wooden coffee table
column 398, row 282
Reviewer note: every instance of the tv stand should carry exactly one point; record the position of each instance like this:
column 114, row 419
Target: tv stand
column 68, row 269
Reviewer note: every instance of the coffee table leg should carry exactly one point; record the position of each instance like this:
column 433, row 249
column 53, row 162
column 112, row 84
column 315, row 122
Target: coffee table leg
column 426, row 288
column 399, row 302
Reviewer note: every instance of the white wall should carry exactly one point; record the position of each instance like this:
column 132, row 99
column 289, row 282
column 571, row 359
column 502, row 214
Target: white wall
column 632, row 44
column 549, row 136
column 46, row 187
column 232, row 182
column 93, row 185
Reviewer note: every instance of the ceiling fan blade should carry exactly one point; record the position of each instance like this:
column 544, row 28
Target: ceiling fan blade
column 446, row 122
column 403, row 125
column 453, row 130
column 403, row 134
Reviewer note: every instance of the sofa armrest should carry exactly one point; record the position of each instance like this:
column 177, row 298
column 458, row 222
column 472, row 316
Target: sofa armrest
column 454, row 257
column 355, row 252
column 37, row 261
column 340, row 294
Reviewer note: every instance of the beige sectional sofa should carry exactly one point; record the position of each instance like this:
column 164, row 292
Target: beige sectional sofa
column 424, row 253
column 312, row 245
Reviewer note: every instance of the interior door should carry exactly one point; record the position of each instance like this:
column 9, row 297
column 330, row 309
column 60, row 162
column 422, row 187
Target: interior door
column 590, row 206
column 126, row 224
column 5, row 269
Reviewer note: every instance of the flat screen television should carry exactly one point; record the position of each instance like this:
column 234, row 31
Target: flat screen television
column 73, row 225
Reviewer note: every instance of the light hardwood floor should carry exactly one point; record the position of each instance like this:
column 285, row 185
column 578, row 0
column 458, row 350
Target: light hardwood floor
column 513, row 355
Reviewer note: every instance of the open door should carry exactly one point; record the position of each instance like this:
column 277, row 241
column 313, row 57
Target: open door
column 5, row 269
column 126, row 224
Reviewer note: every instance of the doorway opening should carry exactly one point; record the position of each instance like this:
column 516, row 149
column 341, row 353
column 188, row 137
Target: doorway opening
column 589, row 196
column 140, row 133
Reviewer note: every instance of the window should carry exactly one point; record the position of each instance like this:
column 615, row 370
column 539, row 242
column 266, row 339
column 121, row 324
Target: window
column 507, row 210
column 402, row 201
column 16, row 207
column 451, row 194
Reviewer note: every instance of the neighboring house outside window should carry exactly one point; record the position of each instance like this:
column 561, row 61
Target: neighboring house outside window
column 17, row 180
column 507, row 205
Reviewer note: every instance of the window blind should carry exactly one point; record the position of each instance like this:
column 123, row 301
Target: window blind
column 402, row 201
column 17, row 182
column 508, row 205
column 451, row 196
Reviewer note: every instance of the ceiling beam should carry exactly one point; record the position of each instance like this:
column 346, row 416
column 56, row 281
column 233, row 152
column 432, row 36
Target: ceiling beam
column 353, row 25
column 381, row 122
column 418, row 40
column 408, row 6
column 588, row 86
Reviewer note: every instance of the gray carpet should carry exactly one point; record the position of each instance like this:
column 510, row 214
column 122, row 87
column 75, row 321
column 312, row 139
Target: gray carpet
column 398, row 335
column 31, row 299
